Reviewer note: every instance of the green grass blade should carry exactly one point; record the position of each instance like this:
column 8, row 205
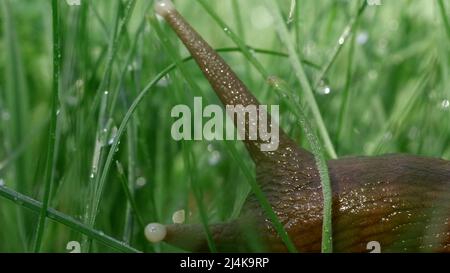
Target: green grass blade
column 402, row 111
column 348, row 30
column 301, row 76
column 31, row 204
column 116, row 37
column 129, row 195
column 444, row 17
column 342, row 118
column 50, row 164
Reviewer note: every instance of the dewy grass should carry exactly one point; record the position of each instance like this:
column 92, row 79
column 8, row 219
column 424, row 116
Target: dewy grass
column 348, row 30
column 342, row 121
column 17, row 103
column 301, row 76
column 50, row 163
column 129, row 195
column 190, row 166
column 116, row 35
column 29, row 203
column 404, row 109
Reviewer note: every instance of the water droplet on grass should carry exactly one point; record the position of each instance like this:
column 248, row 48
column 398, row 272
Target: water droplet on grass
column 6, row 116
column 112, row 135
column 362, row 38
column 79, row 84
column 324, row 88
column 141, row 182
column 120, row 168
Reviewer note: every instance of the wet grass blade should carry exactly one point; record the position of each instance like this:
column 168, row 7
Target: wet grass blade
column 348, row 30
column 301, row 76
column 31, row 204
column 444, row 17
column 50, row 164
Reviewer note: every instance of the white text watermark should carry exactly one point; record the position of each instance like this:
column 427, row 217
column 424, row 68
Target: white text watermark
column 252, row 123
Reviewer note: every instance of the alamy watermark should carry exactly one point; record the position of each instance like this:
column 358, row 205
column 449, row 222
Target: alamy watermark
column 252, row 123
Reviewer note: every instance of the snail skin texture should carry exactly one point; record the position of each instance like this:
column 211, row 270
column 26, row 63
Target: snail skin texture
column 400, row 201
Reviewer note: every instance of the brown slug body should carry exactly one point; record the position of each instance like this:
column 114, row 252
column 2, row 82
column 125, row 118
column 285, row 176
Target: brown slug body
column 400, row 201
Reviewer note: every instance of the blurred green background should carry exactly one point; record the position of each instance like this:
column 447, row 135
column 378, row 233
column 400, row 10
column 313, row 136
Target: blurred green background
column 387, row 90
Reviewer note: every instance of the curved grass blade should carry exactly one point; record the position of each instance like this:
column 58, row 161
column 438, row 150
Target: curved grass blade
column 50, row 164
column 293, row 103
column 59, row 217
column 301, row 76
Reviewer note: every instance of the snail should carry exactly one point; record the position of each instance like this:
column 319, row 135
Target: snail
column 401, row 202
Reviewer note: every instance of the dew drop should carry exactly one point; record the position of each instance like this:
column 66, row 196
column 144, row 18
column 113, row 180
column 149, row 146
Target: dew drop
column 6, row 116
column 112, row 135
column 131, row 67
column 141, row 182
column 79, row 84
column 2, row 182
column 362, row 38
column 164, row 82
column 324, row 88
column 120, row 168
